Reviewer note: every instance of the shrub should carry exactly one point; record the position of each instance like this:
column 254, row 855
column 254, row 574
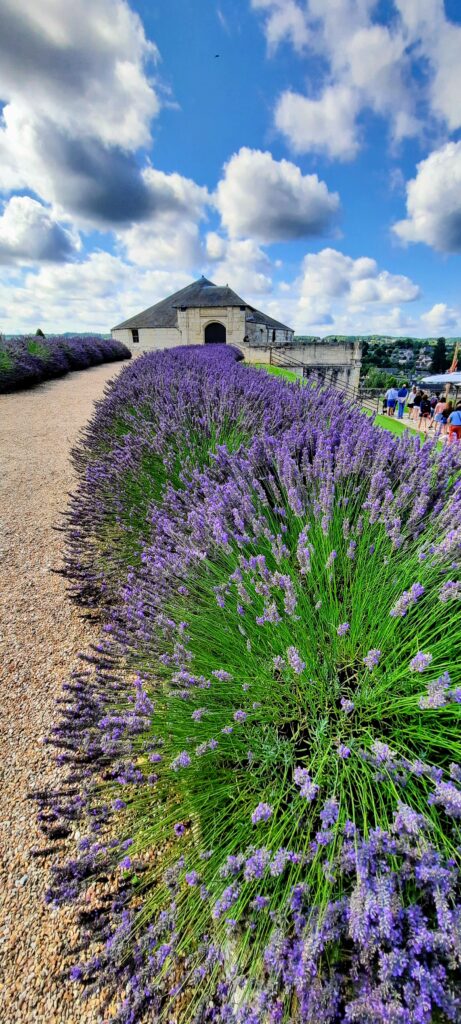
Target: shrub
column 283, row 774
column 28, row 361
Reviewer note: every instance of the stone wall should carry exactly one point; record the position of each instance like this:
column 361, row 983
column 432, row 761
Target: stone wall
column 190, row 329
column 149, row 339
column 341, row 361
column 192, row 324
column 261, row 335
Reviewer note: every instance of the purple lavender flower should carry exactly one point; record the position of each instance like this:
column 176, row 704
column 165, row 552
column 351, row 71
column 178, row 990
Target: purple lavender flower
column 343, row 751
column 408, row 598
column 343, row 629
column 198, row 714
column 226, row 901
column 331, row 559
column 308, row 789
column 181, row 761
column 347, row 705
column 371, row 660
column 192, row 878
column 420, row 662
column 437, row 695
column 329, row 812
column 295, row 661
column 261, row 813
column 450, row 591
column 125, row 864
column 240, row 716
column 179, row 829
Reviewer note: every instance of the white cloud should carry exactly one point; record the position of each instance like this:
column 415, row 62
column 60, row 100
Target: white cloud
column 271, row 200
column 434, row 201
column 28, row 232
column 407, row 70
column 93, row 294
column 285, row 21
column 241, row 263
column 170, row 237
column 441, row 317
column 327, row 124
column 438, row 42
column 336, row 293
column 82, row 65
column 365, row 66
column 78, row 105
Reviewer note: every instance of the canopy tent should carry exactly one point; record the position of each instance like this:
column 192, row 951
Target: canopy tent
column 438, row 379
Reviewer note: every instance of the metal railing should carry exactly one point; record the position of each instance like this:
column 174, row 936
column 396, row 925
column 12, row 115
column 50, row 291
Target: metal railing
column 327, row 378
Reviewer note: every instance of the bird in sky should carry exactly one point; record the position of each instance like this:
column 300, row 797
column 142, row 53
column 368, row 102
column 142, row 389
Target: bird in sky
column 217, row 54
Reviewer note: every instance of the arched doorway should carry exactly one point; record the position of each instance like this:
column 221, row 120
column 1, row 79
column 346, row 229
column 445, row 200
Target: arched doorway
column 215, row 334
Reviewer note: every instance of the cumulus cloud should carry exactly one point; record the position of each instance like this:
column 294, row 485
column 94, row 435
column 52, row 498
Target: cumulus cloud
column 92, row 294
column 437, row 40
column 78, row 104
column 271, row 200
column 28, row 232
column 366, row 65
column 241, row 263
column 434, row 201
column 81, row 65
column 327, row 124
column 170, row 236
column 334, row 291
column 330, row 273
column 441, row 317
column 285, row 20
column 407, row 71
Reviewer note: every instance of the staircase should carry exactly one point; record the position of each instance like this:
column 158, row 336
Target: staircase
column 284, row 361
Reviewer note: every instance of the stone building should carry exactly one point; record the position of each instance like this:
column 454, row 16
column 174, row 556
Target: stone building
column 205, row 313
column 200, row 314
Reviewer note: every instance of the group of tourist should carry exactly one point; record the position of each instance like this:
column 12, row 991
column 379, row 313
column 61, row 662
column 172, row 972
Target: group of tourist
column 425, row 410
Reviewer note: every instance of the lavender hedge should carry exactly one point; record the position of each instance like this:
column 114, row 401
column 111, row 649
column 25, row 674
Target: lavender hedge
column 25, row 362
column 264, row 749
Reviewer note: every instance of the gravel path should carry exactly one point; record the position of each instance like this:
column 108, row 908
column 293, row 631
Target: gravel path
column 41, row 633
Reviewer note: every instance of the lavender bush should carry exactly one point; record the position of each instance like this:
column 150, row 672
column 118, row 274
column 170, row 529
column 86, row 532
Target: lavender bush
column 265, row 746
column 28, row 361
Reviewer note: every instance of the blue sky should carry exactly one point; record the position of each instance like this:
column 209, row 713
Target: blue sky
column 314, row 165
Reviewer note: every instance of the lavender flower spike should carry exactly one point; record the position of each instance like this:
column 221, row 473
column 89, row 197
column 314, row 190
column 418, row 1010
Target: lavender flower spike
column 343, row 629
column 371, row 659
column 420, row 662
column 261, row 813
column 181, row 761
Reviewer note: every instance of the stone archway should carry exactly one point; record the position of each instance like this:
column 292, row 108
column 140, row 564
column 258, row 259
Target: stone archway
column 215, row 334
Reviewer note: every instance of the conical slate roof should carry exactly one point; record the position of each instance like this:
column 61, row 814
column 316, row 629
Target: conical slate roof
column 199, row 293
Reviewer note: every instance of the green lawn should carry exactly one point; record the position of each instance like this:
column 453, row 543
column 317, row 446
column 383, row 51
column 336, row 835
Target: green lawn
column 278, row 371
column 391, row 423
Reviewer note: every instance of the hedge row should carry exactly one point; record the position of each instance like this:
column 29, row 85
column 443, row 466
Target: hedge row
column 25, row 362
column 264, row 749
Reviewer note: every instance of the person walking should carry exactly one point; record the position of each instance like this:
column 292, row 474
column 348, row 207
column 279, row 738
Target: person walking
column 416, row 404
column 411, row 400
column 402, row 394
column 424, row 413
column 391, row 400
column 454, row 424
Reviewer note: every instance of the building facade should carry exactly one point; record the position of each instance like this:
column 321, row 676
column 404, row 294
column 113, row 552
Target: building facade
column 199, row 314
column 205, row 313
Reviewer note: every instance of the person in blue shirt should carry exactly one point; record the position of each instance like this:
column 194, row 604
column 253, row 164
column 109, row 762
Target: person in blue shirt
column 454, row 424
column 401, row 399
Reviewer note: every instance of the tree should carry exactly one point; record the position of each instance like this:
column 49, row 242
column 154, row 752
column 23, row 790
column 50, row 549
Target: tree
column 39, row 333
column 439, row 357
column 379, row 379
